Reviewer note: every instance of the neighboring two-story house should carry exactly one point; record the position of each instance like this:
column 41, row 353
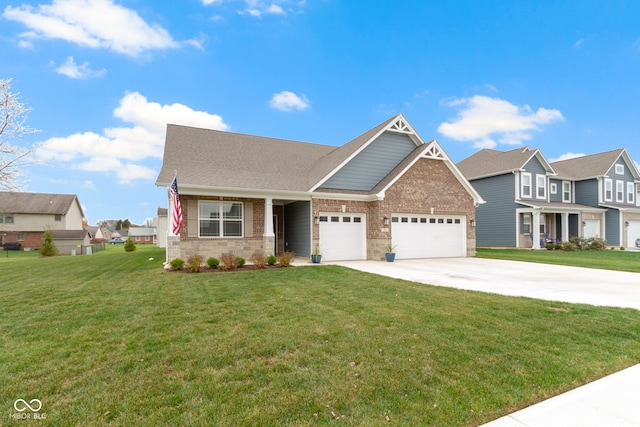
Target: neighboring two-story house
column 25, row 216
column 531, row 202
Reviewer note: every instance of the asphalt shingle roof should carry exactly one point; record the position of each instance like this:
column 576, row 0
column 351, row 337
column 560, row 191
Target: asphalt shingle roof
column 587, row 166
column 489, row 162
column 35, row 203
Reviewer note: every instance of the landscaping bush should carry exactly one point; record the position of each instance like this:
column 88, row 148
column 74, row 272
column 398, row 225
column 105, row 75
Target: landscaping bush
column 194, row 262
column 48, row 247
column 259, row 259
column 240, row 262
column 227, row 261
column 272, row 259
column 286, row 258
column 177, row 264
column 582, row 244
column 129, row 245
column 213, row 262
column 550, row 246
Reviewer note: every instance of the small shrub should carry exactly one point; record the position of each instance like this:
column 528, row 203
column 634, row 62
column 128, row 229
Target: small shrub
column 227, row 261
column 129, row 245
column 549, row 246
column 259, row 259
column 557, row 246
column 194, row 262
column 272, row 259
column 48, row 247
column 177, row 264
column 240, row 262
column 622, row 248
column 285, row 258
column 568, row 247
column 213, row 262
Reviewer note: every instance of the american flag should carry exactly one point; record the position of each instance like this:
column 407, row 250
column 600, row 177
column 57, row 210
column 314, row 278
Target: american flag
column 176, row 208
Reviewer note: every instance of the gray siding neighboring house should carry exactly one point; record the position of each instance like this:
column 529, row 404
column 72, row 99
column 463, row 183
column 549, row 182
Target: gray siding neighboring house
column 595, row 196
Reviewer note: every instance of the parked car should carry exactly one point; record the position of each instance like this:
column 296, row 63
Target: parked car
column 638, row 243
column 11, row 246
column 116, row 240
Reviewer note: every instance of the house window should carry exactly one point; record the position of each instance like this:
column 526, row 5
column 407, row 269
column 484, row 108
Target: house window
column 541, row 187
column 220, row 219
column 1, row 219
column 20, row 237
column 137, row 238
column 608, row 190
column 619, row 191
column 526, row 185
column 324, row 219
column 526, row 223
column 8, row 219
column 619, row 169
column 566, row 191
column 631, row 191
column 146, row 238
column 57, row 217
column 553, row 188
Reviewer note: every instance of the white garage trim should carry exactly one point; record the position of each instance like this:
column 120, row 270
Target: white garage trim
column 343, row 236
column 429, row 236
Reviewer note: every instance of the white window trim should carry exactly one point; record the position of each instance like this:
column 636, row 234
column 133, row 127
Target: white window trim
column 221, row 219
column 563, row 192
column 631, row 191
column 619, row 191
column 608, row 182
column 619, row 169
column 553, row 188
column 543, row 187
column 522, row 186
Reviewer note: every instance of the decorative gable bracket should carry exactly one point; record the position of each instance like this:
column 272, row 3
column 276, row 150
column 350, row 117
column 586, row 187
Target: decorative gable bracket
column 434, row 152
column 401, row 126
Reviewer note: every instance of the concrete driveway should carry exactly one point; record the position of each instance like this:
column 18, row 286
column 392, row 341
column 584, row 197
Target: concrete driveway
column 514, row 278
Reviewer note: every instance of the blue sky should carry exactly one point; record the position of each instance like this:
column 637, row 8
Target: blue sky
column 103, row 77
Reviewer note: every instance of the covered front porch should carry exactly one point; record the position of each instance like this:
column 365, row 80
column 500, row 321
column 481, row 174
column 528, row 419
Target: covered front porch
column 540, row 223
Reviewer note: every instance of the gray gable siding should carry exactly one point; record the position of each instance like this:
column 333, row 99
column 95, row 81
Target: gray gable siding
column 373, row 163
column 612, row 227
column 587, row 192
column 558, row 196
column 297, row 228
column 534, row 166
column 495, row 220
column 626, row 177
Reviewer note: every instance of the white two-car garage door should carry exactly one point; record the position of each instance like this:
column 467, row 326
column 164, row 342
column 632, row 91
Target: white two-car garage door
column 429, row 236
column 343, row 236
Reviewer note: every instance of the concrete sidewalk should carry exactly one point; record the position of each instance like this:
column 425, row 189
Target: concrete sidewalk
column 610, row 401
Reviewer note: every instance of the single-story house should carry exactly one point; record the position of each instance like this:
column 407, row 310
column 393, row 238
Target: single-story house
column 388, row 186
column 72, row 242
column 143, row 235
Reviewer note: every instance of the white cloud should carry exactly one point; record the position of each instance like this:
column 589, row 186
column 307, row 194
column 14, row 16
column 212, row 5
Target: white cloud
column 566, row 156
column 488, row 122
column 121, row 150
column 289, row 101
column 90, row 23
column 75, row 71
column 258, row 8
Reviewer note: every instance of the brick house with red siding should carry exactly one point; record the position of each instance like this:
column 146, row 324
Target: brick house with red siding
column 244, row 193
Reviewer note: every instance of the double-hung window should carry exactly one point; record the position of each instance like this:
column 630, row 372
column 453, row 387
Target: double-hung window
column 566, row 191
column 608, row 190
column 631, row 191
column 220, row 219
column 526, row 223
column 541, row 187
column 620, row 191
column 526, row 184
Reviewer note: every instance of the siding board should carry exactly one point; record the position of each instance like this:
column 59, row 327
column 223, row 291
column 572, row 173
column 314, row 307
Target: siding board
column 495, row 222
column 297, row 228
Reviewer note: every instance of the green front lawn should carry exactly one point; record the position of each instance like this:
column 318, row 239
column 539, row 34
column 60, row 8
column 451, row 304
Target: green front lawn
column 112, row 339
column 607, row 260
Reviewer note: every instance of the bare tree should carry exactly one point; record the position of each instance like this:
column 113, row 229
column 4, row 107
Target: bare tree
column 13, row 118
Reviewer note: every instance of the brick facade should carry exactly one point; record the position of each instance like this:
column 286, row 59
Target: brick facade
column 428, row 185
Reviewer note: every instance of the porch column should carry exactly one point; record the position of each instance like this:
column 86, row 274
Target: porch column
column 535, row 230
column 268, row 217
column 565, row 227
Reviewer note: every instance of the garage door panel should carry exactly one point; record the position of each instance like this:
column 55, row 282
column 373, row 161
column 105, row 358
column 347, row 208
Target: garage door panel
column 429, row 236
column 633, row 233
column 343, row 236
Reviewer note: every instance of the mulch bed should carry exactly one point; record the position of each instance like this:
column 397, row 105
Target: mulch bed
column 217, row 270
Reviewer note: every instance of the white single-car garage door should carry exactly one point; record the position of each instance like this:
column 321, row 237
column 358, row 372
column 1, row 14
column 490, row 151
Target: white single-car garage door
column 343, row 236
column 591, row 228
column 633, row 233
column 429, row 236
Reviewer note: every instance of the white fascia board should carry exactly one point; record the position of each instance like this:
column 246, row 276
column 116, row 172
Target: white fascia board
column 252, row 193
column 346, row 197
